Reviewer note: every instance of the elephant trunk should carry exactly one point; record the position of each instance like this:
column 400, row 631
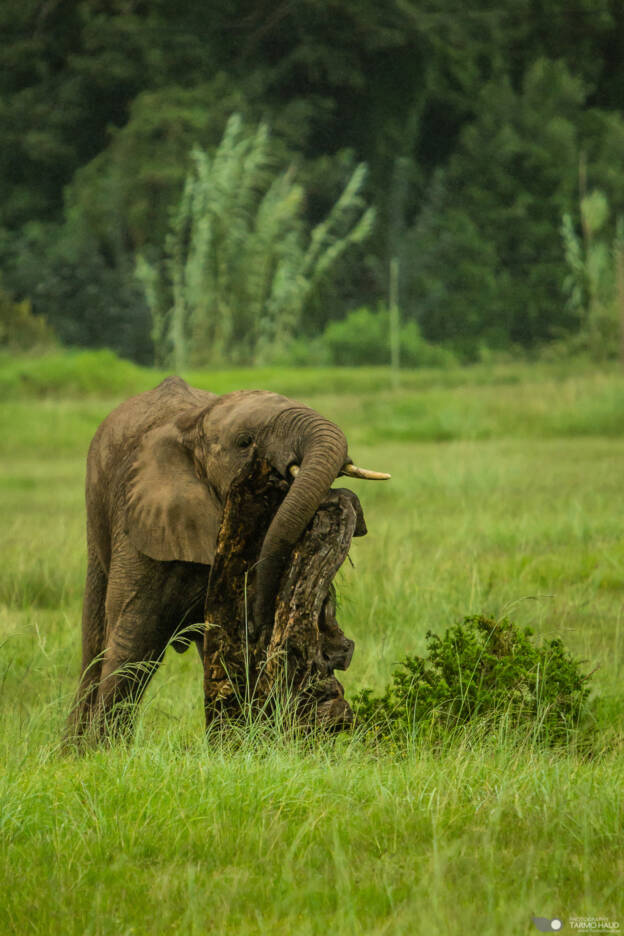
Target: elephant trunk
column 322, row 451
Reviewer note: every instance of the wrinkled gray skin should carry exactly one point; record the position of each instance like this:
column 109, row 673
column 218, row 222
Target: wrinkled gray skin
column 158, row 471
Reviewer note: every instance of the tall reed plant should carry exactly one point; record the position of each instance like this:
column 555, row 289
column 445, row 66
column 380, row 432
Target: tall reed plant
column 239, row 263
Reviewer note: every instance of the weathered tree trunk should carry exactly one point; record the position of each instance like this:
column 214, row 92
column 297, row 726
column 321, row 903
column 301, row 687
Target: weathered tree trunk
column 296, row 669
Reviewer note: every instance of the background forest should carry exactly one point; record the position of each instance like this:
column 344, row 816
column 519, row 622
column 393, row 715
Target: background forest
column 240, row 182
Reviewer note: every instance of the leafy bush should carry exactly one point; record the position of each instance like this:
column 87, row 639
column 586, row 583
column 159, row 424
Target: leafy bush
column 302, row 352
column 481, row 669
column 360, row 338
column 363, row 337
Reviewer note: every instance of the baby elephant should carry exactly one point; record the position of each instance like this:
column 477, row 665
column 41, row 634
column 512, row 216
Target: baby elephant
column 158, row 471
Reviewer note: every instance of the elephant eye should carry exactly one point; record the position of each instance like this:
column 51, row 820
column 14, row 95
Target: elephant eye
column 244, row 440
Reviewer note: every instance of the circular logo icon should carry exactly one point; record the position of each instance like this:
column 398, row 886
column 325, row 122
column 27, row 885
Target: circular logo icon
column 556, row 924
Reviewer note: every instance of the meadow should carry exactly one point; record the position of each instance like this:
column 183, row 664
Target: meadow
column 505, row 499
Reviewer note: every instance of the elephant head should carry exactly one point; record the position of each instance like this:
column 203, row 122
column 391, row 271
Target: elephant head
column 184, row 467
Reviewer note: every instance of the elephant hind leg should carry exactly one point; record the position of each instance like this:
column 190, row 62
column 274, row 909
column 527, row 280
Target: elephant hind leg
column 93, row 643
column 142, row 615
column 126, row 671
column 136, row 639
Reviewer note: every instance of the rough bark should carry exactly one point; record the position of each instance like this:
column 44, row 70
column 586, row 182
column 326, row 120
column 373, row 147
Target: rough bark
column 294, row 665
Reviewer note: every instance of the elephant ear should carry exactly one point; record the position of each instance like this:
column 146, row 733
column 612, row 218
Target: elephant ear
column 170, row 513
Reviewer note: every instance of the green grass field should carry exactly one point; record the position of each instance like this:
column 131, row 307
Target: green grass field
column 505, row 499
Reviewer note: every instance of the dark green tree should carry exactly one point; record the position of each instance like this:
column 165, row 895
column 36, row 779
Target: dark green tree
column 84, row 299
column 485, row 257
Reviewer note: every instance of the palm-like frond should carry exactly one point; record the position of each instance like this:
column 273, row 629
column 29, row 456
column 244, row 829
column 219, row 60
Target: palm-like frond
column 238, row 268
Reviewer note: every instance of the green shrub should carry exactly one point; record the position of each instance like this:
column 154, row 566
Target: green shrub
column 481, row 669
column 302, row 352
column 363, row 337
column 360, row 338
column 416, row 352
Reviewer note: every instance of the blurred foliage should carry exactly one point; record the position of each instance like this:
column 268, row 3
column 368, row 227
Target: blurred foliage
column 20, row 330
column 472, row 121
column 124, row 195
column 88, row 301
column 595, row 283
column 363, row 337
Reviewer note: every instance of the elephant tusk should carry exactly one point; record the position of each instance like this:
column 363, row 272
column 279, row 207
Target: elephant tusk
column 352, row 471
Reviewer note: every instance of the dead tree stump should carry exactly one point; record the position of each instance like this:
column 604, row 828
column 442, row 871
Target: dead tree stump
column 306, row 645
